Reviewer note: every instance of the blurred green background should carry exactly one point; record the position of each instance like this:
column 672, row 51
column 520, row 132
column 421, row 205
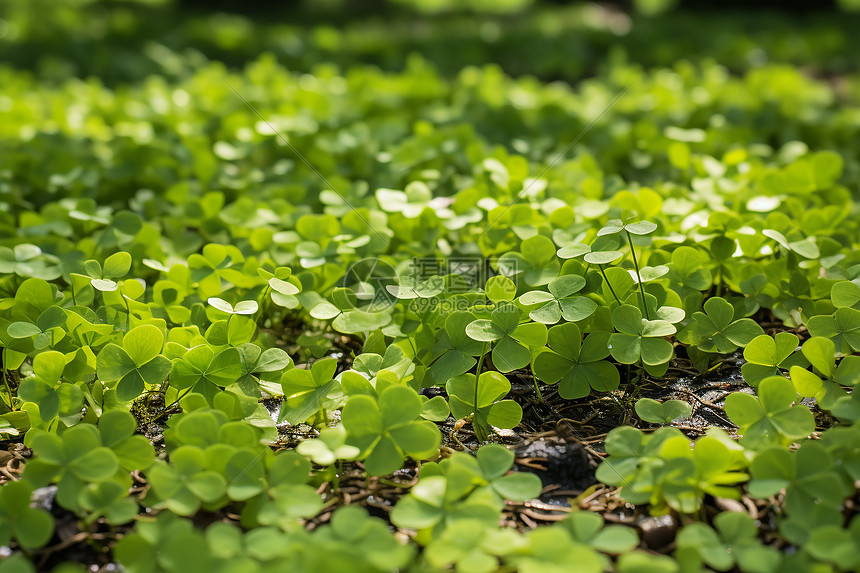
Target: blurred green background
column 127, row 40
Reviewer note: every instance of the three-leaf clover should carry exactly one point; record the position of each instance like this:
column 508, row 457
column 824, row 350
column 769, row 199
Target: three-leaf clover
column 771, row 417
column 735, row 541
column 135, row 364
column 187, row 481
column 638, row 338
column 717, row 329
column 827, row 388
column 560, row 301
column 843, row 327
column 389, row 428
column 650, row 410
column 455, row 351
column 46, row 391
column 576, row 365
column 491, row 409
column 837, row 545
column 329, row 447
column 29, row 526
column 767, row 356
column 308, row 391
column 512, row 339
column 44, row 330
column 257, row 364
column 73, row 460
column 536, row 261
column 204, row 372
column 808, row 475
column 588, row 528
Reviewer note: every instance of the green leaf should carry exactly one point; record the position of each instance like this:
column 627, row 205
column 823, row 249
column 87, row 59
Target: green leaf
column 116, row 266
column 662, row 413
column 602, row 257
column 143, row 343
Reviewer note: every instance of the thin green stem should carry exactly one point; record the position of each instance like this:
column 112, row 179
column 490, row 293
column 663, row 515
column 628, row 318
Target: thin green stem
column 720, row 281
column 478, row 375
column 8, row 388
column 537, row 388
column 175, row 402
column 638, row 276
column 263, row 304
column 609, row 284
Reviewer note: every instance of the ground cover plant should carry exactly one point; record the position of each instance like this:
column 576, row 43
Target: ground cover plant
column 276, row 297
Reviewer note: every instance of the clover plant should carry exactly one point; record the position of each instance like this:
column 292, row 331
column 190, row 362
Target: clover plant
column 640, row 340
column 511, row 341
column 775, row 416
column 301, row 253
column 650, row 410
column 577, row 365
column 389, row 428
column 482, row 400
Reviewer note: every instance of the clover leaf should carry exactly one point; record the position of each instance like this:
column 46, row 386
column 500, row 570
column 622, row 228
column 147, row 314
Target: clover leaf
column 771, row 417
column 187, row 482
column 455, row 351
column 27, row 260
column 389, row 428
column 718, row 329
column 806, row 248
column 577, row 365
column 827, row 388
column 329, row 447
column 136, row 364
column 203, row 371
column 511, row 339
column 766, row 356
column 278, row 484
column 464, row 545
column 437, row 501
column 464, row 488
column 559, row 302
column 109, row 499
column 73, row 460
column 536, row 261
column 258, row 364
column 44, row 332
column 588, row 528
column 491, row 409
column 103, row 278
column 614, row 226
column 639, row 339
column 495, row 462
column 711, row 466
column 650, row 410
column 846, row 294
column 499, row 288
column 283, row 290
column 688, row 274
column 808, row 476
column 308, row 391
column 29, row 526
column 836, row 545
column 54, row 399
column 735, row 542
column 843, row 327
column 358, row 538
column 551, row 549
column 242, row 307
